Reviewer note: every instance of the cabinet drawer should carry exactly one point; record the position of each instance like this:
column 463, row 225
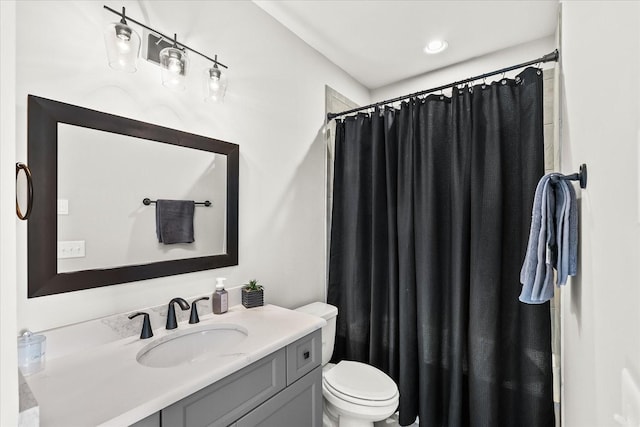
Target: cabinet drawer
column 303, row 355
column 228, row 399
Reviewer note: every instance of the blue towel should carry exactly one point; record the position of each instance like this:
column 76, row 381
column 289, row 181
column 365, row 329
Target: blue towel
column 573, row 232
column 174, row 221
column 568, row 244
column 552, row 240
column 534, row 269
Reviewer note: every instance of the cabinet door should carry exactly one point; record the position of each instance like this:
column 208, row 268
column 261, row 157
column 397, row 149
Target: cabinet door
column 303, row 356
column 230, row 398
column 152, row 420
column 298, row 405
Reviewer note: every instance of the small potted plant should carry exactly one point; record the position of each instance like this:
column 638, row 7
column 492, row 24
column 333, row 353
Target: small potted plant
column 252, row 294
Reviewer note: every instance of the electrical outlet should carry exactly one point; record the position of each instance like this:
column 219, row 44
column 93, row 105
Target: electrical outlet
column 71, row 249
column 63, row 207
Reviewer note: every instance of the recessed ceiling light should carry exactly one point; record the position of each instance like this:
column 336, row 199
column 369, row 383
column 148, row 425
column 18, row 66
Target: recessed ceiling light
column 436, row 46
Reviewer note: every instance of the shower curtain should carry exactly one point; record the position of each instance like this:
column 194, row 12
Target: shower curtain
column 431, row 212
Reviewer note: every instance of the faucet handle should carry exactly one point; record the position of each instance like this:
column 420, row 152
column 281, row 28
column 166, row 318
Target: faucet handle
column 194, row 311
column 146, row 325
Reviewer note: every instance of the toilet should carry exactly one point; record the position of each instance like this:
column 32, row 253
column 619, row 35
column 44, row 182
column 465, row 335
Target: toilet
column 354, row 394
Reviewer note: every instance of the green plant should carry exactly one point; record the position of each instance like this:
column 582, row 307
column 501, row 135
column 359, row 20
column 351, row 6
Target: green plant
column 253, row 285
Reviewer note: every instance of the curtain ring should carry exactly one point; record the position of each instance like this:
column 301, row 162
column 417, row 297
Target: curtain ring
column 27, row 172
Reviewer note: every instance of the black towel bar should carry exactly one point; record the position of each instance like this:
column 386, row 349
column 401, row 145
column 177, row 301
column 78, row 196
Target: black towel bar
column 148, row 201
column 580, row 176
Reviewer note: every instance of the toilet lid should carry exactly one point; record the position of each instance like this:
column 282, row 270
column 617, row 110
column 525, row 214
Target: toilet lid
column 361, row 381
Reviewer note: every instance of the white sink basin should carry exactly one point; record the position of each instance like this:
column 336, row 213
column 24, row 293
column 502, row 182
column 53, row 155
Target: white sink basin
column 194, row 345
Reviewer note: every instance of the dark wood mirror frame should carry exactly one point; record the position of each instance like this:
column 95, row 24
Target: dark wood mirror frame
column 44, row 279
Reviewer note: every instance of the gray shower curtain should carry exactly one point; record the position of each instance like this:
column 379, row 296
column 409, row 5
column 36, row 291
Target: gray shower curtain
column 431, row 211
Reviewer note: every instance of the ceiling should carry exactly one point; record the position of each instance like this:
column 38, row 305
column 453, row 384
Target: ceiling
column 379, row 42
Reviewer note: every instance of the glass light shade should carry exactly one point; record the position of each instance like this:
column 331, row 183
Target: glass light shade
column 123, row 46
column 173, row 63
column 215, row 84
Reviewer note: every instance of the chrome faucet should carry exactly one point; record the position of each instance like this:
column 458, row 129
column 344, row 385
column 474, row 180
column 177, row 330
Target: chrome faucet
column 171, row 313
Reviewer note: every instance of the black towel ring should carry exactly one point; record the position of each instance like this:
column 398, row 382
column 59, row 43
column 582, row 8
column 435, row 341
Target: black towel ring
column 27, row 172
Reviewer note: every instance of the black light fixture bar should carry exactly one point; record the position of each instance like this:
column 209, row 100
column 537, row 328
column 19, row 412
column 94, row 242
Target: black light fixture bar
column 553, row 56
column 121, row 14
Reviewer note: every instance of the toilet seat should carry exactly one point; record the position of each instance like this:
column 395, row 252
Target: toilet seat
column 360, row 384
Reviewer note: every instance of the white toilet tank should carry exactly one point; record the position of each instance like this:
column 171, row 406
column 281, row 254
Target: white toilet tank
column 327, row 312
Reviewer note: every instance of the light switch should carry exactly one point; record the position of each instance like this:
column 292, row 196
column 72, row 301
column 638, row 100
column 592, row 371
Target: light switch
column 71, row 249
column 63, row 207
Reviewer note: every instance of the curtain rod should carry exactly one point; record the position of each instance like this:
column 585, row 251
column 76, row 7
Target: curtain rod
column 553, row 56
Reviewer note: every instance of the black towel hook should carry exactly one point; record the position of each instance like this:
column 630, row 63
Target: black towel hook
column 580, row 176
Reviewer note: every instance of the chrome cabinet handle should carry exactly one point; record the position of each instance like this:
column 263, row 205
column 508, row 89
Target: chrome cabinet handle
column 27, row 172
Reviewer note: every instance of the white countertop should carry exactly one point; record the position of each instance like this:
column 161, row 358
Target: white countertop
column 104, row 385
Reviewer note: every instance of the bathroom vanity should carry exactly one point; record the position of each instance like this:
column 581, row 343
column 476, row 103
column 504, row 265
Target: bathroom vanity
column 283, row 388
column 270, row 378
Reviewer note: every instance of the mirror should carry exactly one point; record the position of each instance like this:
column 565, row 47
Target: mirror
column 114, row 227
column 100, row 232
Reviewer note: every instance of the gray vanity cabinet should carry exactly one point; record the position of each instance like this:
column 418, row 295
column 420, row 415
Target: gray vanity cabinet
column 223, row 402
column 152, row 420
column 281, row 389
column 298, row 405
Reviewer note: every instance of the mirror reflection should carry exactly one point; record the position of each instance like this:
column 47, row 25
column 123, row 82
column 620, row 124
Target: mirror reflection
column 103, row 178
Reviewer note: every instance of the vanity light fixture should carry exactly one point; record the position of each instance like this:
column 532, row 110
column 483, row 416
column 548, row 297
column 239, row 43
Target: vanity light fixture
column 173, row 60
column 123, row 45
column 436, row 46
column 173, row 63
column 215, row 82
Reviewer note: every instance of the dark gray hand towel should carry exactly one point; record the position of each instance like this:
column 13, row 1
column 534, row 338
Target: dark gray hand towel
column 174, row 221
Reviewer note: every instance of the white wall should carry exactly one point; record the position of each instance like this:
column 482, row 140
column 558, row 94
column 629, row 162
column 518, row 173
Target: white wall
column 473, row 67
column 8, row 350
column 274, row 110
column 599, row 119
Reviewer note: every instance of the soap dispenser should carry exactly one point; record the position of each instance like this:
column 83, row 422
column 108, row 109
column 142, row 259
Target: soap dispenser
column 220, row 297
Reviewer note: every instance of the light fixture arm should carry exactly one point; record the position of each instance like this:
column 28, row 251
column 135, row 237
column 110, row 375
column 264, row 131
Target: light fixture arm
column 175, row 41
column 123, row 20
column 214, row 73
